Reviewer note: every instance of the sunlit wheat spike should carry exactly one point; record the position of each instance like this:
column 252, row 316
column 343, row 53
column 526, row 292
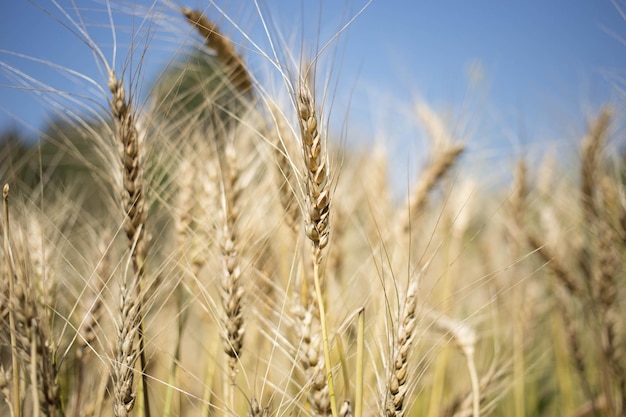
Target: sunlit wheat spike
column 442, row 162
column 317, row 183
column 234, row 65
column 591, row 154
column 397, row 382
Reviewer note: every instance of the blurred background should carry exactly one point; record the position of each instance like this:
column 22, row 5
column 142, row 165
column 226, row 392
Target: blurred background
column 508, row 77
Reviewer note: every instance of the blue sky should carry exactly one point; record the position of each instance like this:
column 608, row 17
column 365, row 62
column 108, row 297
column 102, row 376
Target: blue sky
column 544, row 65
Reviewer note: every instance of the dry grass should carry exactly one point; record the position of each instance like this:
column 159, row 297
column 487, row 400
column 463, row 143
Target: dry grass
column 258, row 268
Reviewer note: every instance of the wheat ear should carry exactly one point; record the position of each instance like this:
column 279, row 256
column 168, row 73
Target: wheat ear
column 317, row 206
column 554, row 262
column 317, row 182
column 609, row 269
column 435, row 171
column 397, row 380
column 234, row 65
column 125, row 353
column 590, row 157
column 232, row 290
column 32, row 341
column 601, row 264
column 131, row 316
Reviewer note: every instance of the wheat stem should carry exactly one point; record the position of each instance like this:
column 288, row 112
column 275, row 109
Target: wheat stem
column 326, row 348
column 344, row 366
column 211, row 367
column 33, row 366
column 360, row 348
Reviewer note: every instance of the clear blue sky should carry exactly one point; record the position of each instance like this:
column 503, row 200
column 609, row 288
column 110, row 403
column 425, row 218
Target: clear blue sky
column 544, row 62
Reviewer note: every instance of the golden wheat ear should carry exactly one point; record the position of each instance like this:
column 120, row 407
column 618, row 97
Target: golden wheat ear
column 130, row 325
column 234, row 65
column 441, row 164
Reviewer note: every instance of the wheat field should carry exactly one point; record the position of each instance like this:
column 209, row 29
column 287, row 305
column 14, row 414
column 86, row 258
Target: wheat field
column 209, row 245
